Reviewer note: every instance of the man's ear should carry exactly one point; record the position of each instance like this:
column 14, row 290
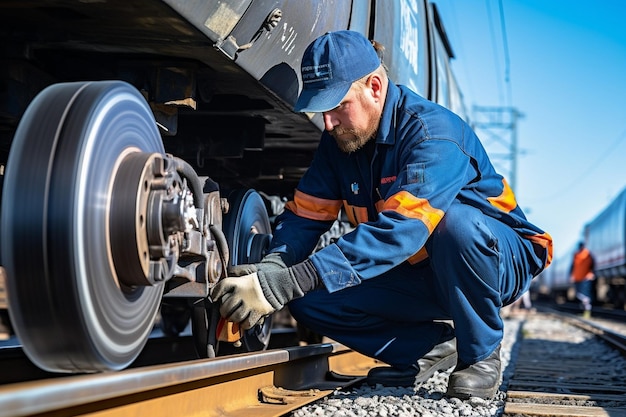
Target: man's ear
column 376, row 86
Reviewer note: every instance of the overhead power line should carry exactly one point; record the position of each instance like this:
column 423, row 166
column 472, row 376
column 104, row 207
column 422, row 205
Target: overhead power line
column 494, row 47
column 507, row 61
column 505, row 93
column 610, row 150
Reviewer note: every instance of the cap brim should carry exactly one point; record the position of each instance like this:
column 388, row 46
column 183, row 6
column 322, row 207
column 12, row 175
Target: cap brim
column 319, row 101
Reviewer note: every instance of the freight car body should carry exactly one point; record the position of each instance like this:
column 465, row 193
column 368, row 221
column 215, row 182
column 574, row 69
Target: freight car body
column 138, row 137
column 605, row 237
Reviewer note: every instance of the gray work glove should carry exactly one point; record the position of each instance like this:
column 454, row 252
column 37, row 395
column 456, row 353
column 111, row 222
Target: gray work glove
column 254, row 291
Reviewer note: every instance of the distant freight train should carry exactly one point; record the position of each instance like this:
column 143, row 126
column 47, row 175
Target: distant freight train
column 605, row 237
column 141, row 138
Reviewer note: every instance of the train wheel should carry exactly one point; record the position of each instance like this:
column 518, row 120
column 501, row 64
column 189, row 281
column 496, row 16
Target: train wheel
column 248, row 232
column 70, row 310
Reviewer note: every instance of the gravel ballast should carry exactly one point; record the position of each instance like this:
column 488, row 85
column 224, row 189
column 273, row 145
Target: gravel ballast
column 426, row 399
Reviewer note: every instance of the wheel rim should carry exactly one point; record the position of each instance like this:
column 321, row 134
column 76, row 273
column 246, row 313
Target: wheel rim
column 69, row 310
column 248, row 233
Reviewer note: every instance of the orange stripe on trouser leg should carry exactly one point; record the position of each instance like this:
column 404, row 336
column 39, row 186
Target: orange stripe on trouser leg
column 419, row 256
column 545, row 241
column 408, row 205
column 314, row 208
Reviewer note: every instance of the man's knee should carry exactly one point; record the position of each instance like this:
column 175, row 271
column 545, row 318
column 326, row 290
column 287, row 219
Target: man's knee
column 312, row 308
column 299, row 309
column 461, row 227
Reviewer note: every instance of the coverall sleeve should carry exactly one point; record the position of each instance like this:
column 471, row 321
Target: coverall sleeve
column 309, row 215
column 432, row 175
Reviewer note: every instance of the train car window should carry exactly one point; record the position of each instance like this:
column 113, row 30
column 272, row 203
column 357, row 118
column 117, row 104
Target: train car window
column 446, row 90
column 457, row 104
column 442, row 95
column 401, row 27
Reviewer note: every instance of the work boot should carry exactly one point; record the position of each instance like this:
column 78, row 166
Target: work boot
column 480, row 379
column 442, row 356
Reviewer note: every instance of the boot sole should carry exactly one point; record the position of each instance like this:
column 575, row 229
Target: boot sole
column 467, row 393
column 445, row 363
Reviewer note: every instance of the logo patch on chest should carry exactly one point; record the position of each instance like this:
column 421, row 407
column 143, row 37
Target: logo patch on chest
column 388, row 180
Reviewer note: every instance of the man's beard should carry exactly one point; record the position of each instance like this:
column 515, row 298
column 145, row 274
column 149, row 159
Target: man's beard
column 351, row 140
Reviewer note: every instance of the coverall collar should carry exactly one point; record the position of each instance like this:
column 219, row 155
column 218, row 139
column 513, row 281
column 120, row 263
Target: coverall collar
column 387, row 129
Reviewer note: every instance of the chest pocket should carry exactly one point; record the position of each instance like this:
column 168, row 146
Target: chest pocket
column 415, row 173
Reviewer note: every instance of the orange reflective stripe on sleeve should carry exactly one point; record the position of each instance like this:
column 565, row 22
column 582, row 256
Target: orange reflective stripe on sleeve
column 505, row 201
column 314, row 208
column 355, row 214
column 380, row 205
column 408, row 205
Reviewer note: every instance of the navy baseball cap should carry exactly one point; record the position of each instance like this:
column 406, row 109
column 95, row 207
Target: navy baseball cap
column 330, row 64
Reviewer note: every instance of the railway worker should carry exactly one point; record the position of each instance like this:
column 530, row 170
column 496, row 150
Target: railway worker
column 581, row 274
column 440, row 238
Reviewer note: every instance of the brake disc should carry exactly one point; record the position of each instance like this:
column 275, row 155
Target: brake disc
column 248, row 232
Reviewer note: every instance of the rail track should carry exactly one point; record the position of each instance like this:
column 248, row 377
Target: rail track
column 562, row 365
column 269, row 383
column 567, row 366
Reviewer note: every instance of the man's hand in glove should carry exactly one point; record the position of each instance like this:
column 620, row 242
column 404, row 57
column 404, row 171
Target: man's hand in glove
column 258, row 290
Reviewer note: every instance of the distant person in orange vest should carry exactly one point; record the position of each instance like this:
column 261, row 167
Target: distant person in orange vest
column 581, row 274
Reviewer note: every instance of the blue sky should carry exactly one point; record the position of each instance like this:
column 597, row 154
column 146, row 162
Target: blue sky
column 567, row 76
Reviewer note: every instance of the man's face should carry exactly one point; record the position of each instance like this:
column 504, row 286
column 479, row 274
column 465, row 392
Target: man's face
column 355, row 121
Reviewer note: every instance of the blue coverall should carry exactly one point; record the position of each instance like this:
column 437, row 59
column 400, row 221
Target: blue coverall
column 439, row 236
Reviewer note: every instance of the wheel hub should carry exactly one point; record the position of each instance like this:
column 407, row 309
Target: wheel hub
column 145, row 247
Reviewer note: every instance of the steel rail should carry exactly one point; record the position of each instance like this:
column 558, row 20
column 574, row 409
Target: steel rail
column 610, row 336
column 615, row 339
column 273, row 382
column 571, row 385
